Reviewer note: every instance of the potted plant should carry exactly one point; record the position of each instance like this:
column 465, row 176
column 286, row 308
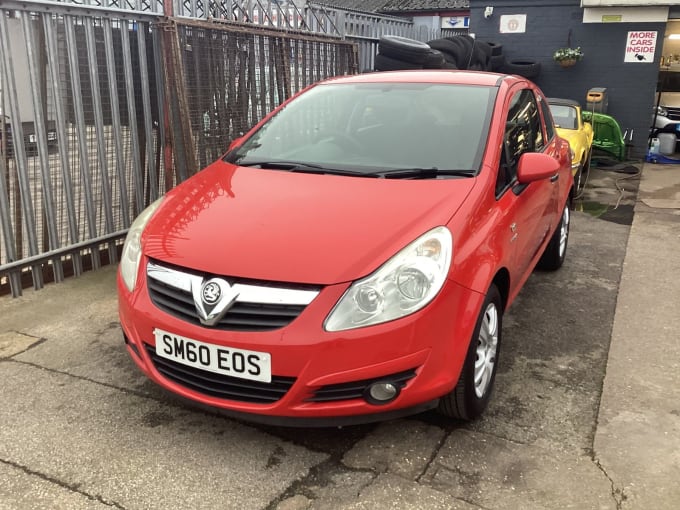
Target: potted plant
column 567, row 57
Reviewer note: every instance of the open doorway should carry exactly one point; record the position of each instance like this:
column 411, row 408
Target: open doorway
column 667, row 100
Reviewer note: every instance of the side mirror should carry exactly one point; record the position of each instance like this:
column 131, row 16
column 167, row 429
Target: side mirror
column 534, row 166
column 235, row 143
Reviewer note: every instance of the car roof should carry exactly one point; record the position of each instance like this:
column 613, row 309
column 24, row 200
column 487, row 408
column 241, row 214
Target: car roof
column 563, row 102
column 428, row 76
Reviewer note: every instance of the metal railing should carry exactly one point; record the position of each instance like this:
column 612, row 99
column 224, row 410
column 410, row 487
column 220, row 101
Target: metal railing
column 77, row 148
column 107, row 104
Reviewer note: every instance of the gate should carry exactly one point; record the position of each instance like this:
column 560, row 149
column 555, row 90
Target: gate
column 107, row 104
column 79, row 137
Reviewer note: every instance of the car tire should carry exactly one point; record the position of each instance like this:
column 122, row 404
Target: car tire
column 456, row 50
column 385, row 63
column 497, row 63
column 479, row 53
column 433, row 60
column 496, row 49
column 469, row 398
column 525, row 68
column 408, row 50
column 450, row 51
column 556, row 251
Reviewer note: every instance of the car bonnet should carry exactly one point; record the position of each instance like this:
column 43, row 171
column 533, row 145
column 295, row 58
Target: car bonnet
column 293, row 227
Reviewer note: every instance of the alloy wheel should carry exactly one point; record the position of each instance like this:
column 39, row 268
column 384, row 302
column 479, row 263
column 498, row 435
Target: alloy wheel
column 487, row 345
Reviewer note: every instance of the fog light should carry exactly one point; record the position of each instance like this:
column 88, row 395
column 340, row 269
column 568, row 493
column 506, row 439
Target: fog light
column 381, row 393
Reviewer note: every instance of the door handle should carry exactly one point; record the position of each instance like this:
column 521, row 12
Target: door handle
column 554, row 178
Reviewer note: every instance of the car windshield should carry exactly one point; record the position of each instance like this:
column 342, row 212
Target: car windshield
column 370, row 128
column 564, row 116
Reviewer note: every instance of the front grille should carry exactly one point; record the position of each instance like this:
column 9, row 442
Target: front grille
column 356, row 389
column 673, row 113
column 240, row 317
column 218, row 385
column 259, row 306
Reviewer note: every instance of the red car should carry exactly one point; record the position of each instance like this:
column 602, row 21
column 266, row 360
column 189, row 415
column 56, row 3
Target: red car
column 350, row 259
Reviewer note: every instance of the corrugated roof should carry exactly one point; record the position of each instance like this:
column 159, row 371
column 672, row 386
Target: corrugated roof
column 355, row 5
column 423, row 5
column 389, row 6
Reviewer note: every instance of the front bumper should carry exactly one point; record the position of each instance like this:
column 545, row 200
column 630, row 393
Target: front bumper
column 425, row 350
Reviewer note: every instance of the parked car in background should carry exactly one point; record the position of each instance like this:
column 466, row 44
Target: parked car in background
column 571, row 126
column 350, row 258
column 666, row 112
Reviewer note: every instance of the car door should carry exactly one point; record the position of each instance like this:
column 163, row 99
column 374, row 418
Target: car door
column 553, row 148
column 528, row 208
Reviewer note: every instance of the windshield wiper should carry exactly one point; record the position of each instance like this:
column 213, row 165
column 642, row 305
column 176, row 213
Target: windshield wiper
column 279, row 165
column 423, row 173
column 294, row 166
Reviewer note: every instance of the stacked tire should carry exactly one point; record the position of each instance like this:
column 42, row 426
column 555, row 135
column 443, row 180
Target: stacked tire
column 464, row 52
column 455, row 52
column 397, row 53
column 521, row 67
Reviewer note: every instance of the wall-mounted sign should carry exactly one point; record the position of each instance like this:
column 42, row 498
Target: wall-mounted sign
column 626, row 14
column 455, row 21
column 640, row 47
column 513, row 23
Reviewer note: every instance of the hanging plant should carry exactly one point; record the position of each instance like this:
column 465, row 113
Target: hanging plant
column 567, row 57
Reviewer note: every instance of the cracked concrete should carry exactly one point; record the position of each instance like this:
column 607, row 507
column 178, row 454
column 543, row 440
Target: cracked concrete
column 574, row 422
column 637, row 442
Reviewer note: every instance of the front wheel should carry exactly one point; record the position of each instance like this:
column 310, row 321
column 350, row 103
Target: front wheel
column 556, row 251
column 471, row 395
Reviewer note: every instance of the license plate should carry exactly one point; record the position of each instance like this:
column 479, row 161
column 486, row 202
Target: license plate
column 240, row 363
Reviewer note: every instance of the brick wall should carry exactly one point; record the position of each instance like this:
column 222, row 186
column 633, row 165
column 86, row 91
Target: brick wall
column 630, row 86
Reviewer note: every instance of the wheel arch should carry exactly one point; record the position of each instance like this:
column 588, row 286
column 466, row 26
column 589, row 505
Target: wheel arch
column 502, row 282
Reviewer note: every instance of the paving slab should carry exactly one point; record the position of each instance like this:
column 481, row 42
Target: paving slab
column 135, row 452
column 80, row 336
column 638, row 436
column 495, row 473
column 21, row 489
column 660, row 186
column 390, row 492
column 403, row 448
column 13, row 343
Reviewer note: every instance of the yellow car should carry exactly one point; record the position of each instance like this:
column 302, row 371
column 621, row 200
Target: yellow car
column 570, row 125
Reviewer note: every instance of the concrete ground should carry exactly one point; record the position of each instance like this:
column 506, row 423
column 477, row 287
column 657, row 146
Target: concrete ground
column 585, row 413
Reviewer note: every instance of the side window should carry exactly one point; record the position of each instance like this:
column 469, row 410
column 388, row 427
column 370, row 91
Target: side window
column 523, row 133
column 547, row 117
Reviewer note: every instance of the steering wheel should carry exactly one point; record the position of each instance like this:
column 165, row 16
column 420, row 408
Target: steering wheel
column 342, row 139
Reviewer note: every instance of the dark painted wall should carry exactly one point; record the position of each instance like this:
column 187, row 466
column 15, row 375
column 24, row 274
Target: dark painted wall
column 550, row 23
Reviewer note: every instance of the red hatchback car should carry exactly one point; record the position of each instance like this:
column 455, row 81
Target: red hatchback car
column 350, row 259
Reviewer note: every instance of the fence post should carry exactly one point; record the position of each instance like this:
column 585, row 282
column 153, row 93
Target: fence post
column 178, row 121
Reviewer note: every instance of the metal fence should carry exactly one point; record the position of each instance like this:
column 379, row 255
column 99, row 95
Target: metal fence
column 106, row 104
column 78, row 142
column 235, row 74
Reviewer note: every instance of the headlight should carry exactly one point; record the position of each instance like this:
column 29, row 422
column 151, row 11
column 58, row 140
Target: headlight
column 403, row 285
column 574, row 163
column 662, row 111
column 132, row 249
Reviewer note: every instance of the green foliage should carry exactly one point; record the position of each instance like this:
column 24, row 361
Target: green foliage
column 568, row 54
